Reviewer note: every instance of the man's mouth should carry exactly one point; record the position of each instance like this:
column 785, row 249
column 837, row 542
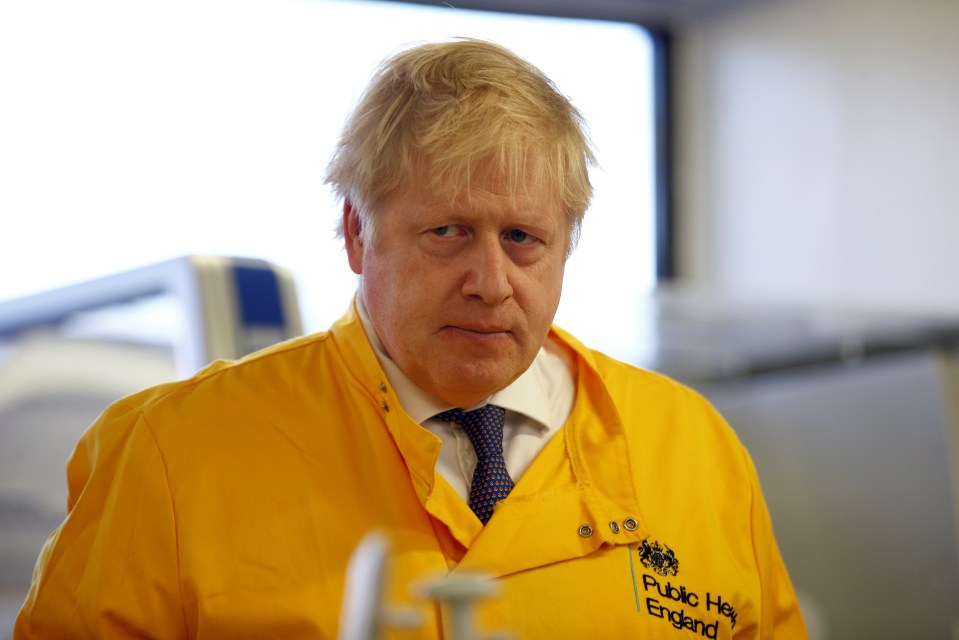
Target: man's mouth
column 479, row 330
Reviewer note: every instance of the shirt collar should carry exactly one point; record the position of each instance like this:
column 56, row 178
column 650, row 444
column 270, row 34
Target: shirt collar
column 528, row 394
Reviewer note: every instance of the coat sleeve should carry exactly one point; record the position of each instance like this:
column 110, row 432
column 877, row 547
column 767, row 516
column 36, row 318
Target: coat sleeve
column 780, row 614
column 110, row 569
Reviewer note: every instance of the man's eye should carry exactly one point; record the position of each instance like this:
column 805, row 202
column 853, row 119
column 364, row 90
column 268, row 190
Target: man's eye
column 520, row 237
column 443, row 232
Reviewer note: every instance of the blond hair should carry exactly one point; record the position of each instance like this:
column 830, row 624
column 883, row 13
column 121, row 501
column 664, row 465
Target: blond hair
column 438, row 111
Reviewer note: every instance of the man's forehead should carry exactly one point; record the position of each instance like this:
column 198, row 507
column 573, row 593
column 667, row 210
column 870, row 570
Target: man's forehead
column 479, row 199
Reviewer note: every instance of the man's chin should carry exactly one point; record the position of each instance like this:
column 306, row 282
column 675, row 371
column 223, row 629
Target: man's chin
column 467, row 387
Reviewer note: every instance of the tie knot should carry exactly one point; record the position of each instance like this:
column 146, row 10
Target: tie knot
column 483, row 426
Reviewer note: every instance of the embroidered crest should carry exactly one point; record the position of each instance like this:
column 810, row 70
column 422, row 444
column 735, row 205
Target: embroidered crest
column 659, row 558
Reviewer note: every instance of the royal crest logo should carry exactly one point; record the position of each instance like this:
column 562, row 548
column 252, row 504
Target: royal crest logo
column 659, row 558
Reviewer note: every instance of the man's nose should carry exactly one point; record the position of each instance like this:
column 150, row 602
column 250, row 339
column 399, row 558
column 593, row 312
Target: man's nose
column 487, row 272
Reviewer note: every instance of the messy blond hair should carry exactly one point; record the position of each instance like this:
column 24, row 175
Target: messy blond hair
column 438, row 111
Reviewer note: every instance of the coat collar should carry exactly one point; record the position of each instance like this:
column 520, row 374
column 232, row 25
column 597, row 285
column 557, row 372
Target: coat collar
column 596, row 505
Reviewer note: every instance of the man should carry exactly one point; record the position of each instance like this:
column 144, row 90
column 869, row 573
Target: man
column 227, row 505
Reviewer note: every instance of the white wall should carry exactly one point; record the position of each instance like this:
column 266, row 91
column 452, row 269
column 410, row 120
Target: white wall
column 818, row 153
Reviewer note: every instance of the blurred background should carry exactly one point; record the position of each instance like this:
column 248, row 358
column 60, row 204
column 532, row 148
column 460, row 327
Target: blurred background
column 777, row 196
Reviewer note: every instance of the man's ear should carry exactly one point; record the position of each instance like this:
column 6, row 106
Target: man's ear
column 352, row 236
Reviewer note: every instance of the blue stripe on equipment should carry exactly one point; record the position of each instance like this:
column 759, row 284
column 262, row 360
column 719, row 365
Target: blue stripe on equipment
column 258, row 296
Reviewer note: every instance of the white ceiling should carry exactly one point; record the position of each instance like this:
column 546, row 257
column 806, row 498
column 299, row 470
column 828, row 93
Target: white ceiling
column 653, row 13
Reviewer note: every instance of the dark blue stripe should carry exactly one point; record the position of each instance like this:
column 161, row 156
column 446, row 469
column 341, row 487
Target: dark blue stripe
column 258, row 296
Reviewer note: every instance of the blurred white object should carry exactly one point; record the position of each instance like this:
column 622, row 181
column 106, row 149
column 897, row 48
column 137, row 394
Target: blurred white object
column 362, row 600
column 458, row 592
column 365, row 613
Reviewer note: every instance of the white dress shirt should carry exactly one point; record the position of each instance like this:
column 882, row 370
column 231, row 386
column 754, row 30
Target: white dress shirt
column 537, row 404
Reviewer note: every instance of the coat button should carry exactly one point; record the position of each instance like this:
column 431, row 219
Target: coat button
column 385, row 406
column 630, row 524
column 586, row 531
column 614, row 526
column 383, row 387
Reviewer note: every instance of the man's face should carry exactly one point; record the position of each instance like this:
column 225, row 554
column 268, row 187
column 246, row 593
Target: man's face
column 462, row 296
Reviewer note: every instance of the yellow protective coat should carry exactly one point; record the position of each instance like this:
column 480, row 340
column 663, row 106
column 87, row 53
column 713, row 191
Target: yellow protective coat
column 227, row 506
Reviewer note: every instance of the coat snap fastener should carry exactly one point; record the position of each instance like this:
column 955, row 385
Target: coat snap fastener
column 586, row 531
column 614, row 526
column 385, row 406
column 630, row 524
column 383, row 387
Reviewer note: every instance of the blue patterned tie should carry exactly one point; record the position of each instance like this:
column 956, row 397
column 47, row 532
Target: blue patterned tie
column 491, row 481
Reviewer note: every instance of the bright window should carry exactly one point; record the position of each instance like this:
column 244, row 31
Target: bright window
column 135, row 131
